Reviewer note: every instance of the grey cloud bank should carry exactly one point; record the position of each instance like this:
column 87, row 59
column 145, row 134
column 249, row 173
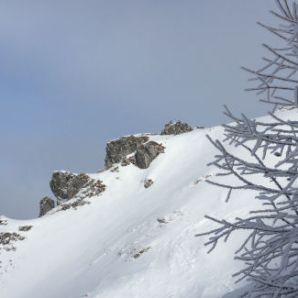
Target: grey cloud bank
column 75, row 74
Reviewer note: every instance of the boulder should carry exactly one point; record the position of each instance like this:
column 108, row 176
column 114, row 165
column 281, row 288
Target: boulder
column 45, row 205
column 148, row 183
column 118, row 150
column 66, row 185
column 176, row 128
column 25, row 228
column 137, row 150
column 146, row 153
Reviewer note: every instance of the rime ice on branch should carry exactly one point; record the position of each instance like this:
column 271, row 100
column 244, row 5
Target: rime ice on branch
column 270, row 250
column 277, row 81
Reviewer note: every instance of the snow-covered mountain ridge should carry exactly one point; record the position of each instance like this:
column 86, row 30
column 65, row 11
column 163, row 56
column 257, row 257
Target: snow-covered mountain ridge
column 130, row 241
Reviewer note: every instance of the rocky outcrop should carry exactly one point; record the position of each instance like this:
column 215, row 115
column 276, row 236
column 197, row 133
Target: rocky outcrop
column 45, row 205
column 146, row 153
column 118, row 150
column 66, row 186
column 176, row 128
column 73, row 204
column 7, row 240
column 132, row 150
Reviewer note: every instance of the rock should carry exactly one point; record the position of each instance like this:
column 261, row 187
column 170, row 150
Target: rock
column 25, row 228
column 146, row 153
column 66, row 185
column 115, row 169
column 73, row 205
column 3, row 222
column 125, row 162
column 8, row 238
column 92, row 188
column 132, row 150
column 176, row 128
column 148, row 183
column 118, row 150
column 45, row 205
column 162, row 220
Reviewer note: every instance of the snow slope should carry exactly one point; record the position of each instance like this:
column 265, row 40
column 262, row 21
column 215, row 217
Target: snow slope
column 132, row 242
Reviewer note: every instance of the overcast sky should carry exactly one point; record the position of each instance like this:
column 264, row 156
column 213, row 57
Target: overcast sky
column 76, row 73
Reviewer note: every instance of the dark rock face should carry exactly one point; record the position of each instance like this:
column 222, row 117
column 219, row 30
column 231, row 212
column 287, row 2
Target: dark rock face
column 146, row 153
column 117, row 151
column 66, row 185
column 73, row 205
column 176, row 128
column 3, row 222
column 132, row 150
column 45, row 205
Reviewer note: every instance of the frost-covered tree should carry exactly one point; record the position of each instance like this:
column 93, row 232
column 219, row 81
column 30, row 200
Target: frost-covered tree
column 277, row 79
column 270, row 250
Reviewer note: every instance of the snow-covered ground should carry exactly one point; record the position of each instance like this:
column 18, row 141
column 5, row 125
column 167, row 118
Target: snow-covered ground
column 133, row 242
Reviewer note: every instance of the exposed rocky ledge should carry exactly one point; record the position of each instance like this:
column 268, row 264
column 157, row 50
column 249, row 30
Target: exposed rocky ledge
column 146, row 153
column 118, row 150
column 148, row 183
column 45, row 205
column 67, row 185
column 176, row 128
column 8, row 239
column 137, row 150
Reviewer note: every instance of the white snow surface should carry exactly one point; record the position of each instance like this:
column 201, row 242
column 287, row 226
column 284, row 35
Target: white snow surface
column 132, row 242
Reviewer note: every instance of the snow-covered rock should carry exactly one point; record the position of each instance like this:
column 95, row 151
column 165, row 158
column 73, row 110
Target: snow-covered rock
column 66, row 186
column 137, row 150
column 146, row 153
column 176, row 128
column 118, row 150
